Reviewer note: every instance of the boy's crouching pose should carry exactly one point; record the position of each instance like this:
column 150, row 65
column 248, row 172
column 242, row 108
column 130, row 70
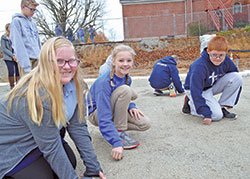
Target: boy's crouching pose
column 211, row 74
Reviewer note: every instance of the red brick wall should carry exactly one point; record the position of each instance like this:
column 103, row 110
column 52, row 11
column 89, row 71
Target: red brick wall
column 153, row 9
column 165, row 19
column 152, row 20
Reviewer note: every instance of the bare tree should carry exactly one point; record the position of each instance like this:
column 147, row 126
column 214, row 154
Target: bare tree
column 75, row 13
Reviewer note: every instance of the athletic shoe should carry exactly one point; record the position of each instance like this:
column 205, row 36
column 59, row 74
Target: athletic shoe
column 186, row 107
column 158, row 92
column 227, row 114
column 172, row 91
column 127, row 142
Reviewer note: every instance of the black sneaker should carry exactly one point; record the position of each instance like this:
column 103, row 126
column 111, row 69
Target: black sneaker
column 227, row 114
column 127, row 142
column 186, row 107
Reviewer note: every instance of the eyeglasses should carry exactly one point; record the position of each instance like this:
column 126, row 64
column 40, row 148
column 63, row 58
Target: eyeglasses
column 72, row 62
column 33, row 10
column 217, row 56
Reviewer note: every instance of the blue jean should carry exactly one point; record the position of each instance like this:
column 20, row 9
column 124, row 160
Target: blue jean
column 70, row 39
column 92, row 38
column 12, row 68
column 82, row 39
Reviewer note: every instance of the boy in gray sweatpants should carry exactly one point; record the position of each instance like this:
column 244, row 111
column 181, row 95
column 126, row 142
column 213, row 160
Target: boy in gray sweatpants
column 211, row 74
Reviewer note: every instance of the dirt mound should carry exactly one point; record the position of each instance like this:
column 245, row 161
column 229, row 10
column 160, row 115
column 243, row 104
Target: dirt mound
column 148, row 51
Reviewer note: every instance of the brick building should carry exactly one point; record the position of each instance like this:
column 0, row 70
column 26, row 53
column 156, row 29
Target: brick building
column 168, row 18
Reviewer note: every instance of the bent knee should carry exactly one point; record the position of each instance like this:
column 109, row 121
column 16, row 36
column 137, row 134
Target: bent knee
column 127, row 91
column 237, row 78
column 217, row 116
column 145, row 125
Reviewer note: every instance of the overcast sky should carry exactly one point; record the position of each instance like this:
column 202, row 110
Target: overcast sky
column 113, row 27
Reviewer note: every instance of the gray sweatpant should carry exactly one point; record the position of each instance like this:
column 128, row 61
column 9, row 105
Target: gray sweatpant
column 229, row 86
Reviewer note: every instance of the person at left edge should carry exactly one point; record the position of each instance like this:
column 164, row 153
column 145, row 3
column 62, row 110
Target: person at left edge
column 35, row 114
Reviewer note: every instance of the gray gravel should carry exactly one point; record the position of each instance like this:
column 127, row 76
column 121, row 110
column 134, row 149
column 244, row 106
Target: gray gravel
column 179, row 146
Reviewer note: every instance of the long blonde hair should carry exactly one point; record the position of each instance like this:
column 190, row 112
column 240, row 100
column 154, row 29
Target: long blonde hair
column 116, row 50
column 46, row 76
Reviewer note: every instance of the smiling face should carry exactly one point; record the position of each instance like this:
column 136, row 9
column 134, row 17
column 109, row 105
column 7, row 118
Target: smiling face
column 67, row 72
column 217, row 57
column 123, row 63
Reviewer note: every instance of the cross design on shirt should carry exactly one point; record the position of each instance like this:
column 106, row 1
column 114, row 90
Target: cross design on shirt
column 213, row 77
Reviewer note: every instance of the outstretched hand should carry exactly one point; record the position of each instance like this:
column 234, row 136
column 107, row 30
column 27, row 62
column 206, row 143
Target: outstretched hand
column 207, row 121
column 135, row 113
column 116, row 153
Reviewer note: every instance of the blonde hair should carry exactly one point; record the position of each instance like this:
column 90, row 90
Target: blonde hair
column 116, row 50
column 46, row 77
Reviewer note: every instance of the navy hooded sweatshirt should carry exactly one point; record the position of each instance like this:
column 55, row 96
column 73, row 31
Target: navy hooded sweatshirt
column 164, row 72
column 202, row 75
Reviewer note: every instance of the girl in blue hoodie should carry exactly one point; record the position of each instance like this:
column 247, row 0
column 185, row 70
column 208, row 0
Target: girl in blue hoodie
column 211, row 74
column 111, row 108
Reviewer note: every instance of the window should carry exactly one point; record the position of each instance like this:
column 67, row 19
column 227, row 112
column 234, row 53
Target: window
column 237, row 8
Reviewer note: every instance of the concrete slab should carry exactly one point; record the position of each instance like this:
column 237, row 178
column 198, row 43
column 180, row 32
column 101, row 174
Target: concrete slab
column 178, row 145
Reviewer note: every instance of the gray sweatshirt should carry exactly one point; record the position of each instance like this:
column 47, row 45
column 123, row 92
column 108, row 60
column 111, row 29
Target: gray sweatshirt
column 19, row 135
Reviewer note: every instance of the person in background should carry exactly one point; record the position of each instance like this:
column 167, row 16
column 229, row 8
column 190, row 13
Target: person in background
column 92, row 33
column 211, row 74
column 107, row 66
column 58, row 30
column 9, row 58
column 80, row 34
column 165, row 76
column 69, row 33
column 35, row 115
column 111, row 108
column 24, row 37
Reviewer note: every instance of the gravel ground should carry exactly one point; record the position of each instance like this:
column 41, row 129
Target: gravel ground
column 178, row 146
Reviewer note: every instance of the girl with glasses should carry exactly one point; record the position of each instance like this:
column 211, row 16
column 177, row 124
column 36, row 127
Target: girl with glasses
column 35, row 115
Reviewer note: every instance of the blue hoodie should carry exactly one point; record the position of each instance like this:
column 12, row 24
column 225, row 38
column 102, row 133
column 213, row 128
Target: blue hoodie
column 101, row 92
column 25, row 40
column 80, row 32
column 58, row 30
column 202, row 75
column 164, row 72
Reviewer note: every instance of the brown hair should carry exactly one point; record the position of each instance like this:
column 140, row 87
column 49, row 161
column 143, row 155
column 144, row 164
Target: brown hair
column 6, row 29
column 218, row 43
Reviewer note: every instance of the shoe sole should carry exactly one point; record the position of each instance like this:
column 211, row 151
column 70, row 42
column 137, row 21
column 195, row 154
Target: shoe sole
column 131, row 147
column 234, row 118
column 159, row 94
column 172, row 95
